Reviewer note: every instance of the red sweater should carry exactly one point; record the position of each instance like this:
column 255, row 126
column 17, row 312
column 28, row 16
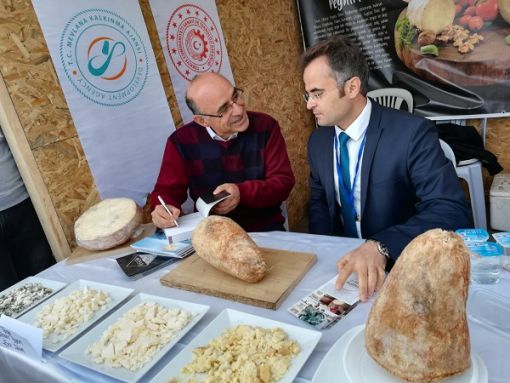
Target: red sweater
column 256, row 161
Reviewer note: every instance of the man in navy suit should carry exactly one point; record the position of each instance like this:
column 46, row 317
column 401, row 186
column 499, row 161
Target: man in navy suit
column 376, row 173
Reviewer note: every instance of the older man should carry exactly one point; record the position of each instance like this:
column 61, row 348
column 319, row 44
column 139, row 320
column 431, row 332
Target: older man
column 225, row 148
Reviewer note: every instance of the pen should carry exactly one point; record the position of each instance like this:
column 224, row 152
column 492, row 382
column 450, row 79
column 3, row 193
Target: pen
column 167, row 210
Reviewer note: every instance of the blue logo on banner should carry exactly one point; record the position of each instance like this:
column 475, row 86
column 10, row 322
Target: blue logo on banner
column 104, row 57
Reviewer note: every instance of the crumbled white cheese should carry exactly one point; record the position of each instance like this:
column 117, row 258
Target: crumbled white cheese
column 62, row 318
column 133, row 340
column 245, row 354
column 21, row 298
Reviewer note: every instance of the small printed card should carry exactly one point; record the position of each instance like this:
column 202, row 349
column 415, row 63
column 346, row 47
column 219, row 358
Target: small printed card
column 327, row 305
column 21, row 337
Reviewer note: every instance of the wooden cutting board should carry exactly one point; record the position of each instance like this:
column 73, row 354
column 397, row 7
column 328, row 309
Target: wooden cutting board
column 285, row 270
column 82, row 255
column 487, row 64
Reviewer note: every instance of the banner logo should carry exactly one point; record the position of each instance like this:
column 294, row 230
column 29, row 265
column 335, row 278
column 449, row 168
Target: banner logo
column 104, row 57
column 193, row 41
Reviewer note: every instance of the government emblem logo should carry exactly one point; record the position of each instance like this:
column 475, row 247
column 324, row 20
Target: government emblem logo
column 193, row 41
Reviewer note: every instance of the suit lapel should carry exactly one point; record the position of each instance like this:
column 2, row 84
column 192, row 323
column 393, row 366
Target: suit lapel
column 374, row 131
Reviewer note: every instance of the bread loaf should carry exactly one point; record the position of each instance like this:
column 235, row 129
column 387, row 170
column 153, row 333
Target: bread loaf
column 225, row 245
column 417, row 328
column 107, row 224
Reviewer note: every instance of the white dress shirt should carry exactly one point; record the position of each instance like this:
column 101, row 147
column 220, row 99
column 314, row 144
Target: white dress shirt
column 215, row 137
column 356, row 131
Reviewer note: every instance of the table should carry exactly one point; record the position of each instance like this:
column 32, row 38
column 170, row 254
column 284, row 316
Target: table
column 488, row 344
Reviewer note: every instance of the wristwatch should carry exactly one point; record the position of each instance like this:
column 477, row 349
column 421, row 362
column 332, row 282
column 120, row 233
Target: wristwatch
column 381, row 248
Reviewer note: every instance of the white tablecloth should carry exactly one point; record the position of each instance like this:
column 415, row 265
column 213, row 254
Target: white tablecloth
column 491, row 346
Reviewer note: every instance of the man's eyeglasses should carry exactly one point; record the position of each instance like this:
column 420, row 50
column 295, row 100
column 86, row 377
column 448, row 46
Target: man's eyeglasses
column 237, row 98
column 316, row 95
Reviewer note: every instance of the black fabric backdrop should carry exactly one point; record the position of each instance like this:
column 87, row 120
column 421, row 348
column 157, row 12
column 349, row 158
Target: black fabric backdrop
column 372, row 23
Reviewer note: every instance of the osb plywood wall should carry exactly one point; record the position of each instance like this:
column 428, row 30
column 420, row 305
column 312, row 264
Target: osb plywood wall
column 264, row 45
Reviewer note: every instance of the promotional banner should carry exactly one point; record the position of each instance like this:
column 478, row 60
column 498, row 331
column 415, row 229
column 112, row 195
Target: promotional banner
column 192, row 40
column 455, row 60
column 104, row 60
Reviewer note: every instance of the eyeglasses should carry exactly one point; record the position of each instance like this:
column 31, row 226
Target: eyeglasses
column 237, row 98
column 316, row 95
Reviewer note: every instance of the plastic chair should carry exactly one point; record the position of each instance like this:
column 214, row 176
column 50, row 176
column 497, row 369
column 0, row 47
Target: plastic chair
column 472, row 173
column 285, row 214
column 469, row 170
column 392, row 97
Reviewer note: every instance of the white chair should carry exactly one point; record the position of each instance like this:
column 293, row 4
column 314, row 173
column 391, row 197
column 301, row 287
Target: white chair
column 392, row 97
column 469, row 170
column 285, row 214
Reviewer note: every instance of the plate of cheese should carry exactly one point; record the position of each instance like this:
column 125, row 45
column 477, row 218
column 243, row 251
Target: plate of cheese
column 135, row 337
column 71, row 311
column 242, row 347
column 26, row 294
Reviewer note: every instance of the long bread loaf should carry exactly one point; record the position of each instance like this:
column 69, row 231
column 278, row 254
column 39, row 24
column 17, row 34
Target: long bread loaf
column 225, row 245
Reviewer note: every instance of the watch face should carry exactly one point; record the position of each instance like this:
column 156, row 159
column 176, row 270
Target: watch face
column 383, row 249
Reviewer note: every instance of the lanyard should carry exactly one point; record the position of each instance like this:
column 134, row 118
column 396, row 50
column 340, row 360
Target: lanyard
column 349, row 192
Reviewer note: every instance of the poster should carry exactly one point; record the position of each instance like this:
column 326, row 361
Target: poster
column 106, row 67
column 192, row 41
column 453, row 84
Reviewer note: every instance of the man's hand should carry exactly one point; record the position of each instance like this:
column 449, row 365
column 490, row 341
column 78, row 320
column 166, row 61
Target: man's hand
column 229, row 203
column 368, row 263
column 161, row 219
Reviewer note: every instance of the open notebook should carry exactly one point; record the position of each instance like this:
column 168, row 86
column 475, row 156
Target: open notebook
column 187, row 223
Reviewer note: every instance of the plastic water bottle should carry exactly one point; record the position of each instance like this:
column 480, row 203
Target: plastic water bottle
column 485, row 261
column 504, row 240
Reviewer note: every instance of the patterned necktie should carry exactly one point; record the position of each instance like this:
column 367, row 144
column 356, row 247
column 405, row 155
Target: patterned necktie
column 348, row 212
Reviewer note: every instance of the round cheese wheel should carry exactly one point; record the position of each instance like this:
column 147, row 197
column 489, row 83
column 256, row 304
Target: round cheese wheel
column 107, row 224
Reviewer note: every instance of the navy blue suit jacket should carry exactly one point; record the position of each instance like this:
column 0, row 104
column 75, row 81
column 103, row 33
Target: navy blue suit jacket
column 407, row 184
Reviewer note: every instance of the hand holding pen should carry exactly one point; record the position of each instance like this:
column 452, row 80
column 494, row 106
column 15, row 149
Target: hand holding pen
column 164, row 215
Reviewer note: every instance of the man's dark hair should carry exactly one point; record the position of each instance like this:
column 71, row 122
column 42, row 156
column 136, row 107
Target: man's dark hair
column 191, row 105
column 345, row 59
column 189, row 101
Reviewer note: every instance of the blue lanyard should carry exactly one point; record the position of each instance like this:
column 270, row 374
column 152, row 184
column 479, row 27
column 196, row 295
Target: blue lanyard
column 349, row 191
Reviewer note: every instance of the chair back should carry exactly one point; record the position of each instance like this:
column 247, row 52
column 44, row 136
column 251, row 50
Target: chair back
column 285, row 214
column 392, row 97
column 448, row 152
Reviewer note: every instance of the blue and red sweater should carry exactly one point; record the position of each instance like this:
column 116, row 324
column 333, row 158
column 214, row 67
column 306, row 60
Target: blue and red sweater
column 256, row 161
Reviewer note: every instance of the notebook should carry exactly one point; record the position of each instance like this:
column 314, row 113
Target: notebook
column 188, row 222
column 158, row 244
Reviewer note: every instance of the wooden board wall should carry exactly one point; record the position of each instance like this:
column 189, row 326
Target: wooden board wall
column 264, row 44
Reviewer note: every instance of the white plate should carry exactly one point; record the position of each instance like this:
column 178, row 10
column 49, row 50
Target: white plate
column 76, row 352
column 54, row 285
column 348, row 361
column 117, row 295
column 229, row 318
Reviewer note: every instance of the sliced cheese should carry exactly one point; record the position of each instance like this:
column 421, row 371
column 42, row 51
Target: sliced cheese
column 107, row 224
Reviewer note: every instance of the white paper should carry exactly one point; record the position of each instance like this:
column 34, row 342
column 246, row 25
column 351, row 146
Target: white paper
column 21, row 337
column 188, row 222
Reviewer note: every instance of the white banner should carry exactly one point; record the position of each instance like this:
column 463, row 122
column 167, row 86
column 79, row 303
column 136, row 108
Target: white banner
column 192, row 41
column 106, row 67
